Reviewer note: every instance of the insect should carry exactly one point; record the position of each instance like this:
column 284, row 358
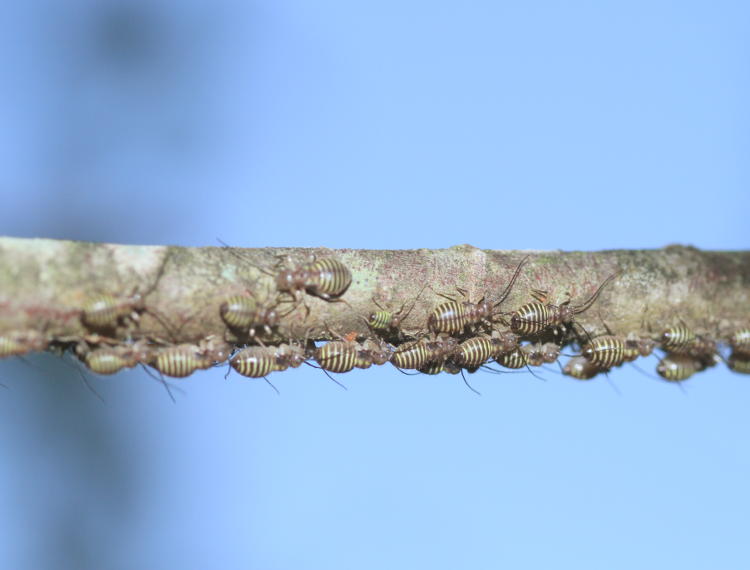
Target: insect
column 678, row 367
column 739, row 363
column 677, row 339
column 454, row 316
column 343, row 356
column 538, row 354
column 111, row 359
column 242, row 313
column 636, row 346
column 514, row 359
column 433, row 368
column 740, row 342
column 289, row 356
column 536, row 317
column 475, row 351
column 180, row 360
column 416, row 354
column 105, row 312
column 605, row 351
column 385, row 322
column 213, row 349
column 256, row 361
column 18, row 342
column 326, row 278
column 581, row 368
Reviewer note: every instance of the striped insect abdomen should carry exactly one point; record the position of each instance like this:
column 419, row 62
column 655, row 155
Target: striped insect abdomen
column 677, row 367
column 515, row 359
column 677, row 339
column 474, row 352
column 178, row 361
column 337, row 356
column 605, row 351
column 329, row 278
column 254, row 362
column 530, row 319
column 106, row 361
column 411, row 356
column 581, row 368
column 238, row 312
column 104, row 312
column 448, row 318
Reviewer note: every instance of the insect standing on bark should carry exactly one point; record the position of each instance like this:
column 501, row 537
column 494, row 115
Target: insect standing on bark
column 537, row 317
column 343, row 356
column 677, row 339
column 581, row 368
column 105, row 312
column 605, row 351
column 740, row 342
column 109, row 360
column 678, row 367
column 386, row 323
column 739, row 363
column 180, row 360
column 514, row 359
column 538, row 354
column 454, row 316
column 478, row 350
column 20, row 342
column 416, row 354
column 243, row 314
column 636, row 346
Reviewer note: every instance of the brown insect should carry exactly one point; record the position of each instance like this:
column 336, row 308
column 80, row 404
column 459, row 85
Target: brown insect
column 581, row 368
column 243, row 314
column 19, row 342
column 537, row 317
column 678, row 367
column 455, row 316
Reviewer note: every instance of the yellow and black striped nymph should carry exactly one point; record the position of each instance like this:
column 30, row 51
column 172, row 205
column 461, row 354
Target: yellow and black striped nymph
column 338, row 356
column 178, row 361
column 515, row 359
column 677, row 367
column 474, row 352
column 329, row 278
column 255, row 362
column 677, row 339
column 605, row 351
column 106, row 361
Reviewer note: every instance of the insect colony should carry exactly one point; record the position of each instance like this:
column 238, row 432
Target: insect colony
column 458, row 336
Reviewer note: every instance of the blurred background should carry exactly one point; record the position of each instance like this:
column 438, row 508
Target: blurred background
column 545, row 125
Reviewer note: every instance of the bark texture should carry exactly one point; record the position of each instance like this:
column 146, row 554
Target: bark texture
column 44, row 283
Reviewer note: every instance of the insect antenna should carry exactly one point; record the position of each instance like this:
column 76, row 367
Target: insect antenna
column 512, row 281
column 469, row 385
column 275, row 389
column 583, row 307
column 241, row 257
column 326, row 373
column 167, row 386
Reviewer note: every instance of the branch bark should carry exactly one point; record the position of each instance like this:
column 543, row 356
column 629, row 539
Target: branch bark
column 44, row 284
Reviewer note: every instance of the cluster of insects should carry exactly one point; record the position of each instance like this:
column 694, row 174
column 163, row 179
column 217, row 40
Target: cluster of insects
column 457, row 336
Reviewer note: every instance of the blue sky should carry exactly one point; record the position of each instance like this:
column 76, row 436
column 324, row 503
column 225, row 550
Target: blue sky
column 546, row 125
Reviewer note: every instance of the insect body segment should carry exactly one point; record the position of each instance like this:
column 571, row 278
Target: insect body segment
column 678, row 367
column 454, row 316
column 17, row 343
column 180, row 360
column 537, row 317
column 678, row 339
column 242, row 313
column 326, row 278
column 581, row 368
column 605, row 351
column 740, row 342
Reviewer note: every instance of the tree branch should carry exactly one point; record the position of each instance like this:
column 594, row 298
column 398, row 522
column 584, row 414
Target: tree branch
column 45, row 283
